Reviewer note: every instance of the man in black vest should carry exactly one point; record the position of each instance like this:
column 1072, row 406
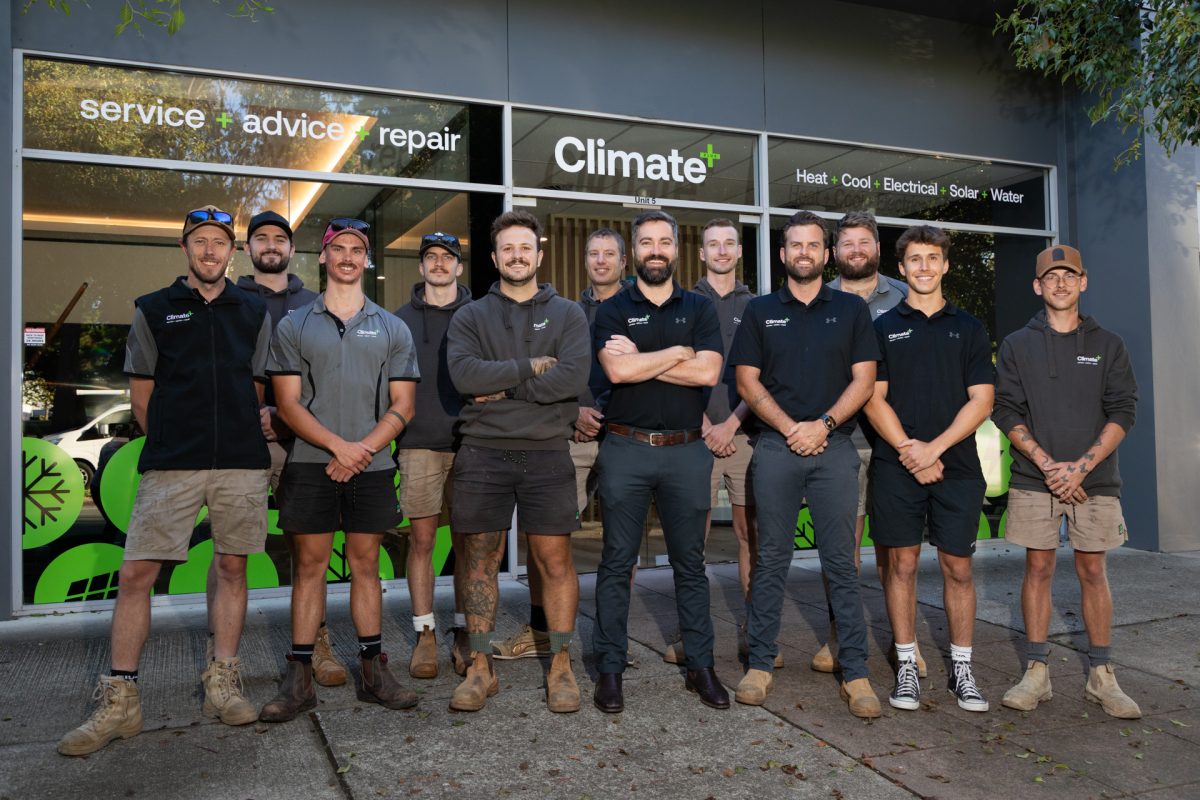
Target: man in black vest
column 196, row 359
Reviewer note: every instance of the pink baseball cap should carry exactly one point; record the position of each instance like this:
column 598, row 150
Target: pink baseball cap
column 340, row 225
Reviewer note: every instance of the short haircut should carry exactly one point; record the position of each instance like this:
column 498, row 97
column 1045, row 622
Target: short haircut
column 601, row 233
column 858, row 219
column 719, row 222
column 923, row 234
column 517, row 218
column 799, row 220
column 653, row 216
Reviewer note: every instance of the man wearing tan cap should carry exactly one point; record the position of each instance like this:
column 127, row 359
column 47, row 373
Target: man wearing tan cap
column 1066, row 397
column 196, row 359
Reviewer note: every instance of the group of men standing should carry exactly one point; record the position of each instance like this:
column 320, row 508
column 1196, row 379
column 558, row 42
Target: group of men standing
column 523, row 401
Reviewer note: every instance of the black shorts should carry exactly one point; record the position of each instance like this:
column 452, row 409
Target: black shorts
column 489, row 484
column 312, row 502
column 901, row 508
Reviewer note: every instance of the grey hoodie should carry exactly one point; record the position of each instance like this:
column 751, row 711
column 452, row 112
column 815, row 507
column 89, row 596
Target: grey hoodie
column 723, row 397
column 279, row 305
column 491, row 342
column 1064, row 387
column 438, row 403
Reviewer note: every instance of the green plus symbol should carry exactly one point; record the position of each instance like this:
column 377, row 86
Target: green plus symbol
column 224, row 119
column 983, row 194
column 361, row 133
column 943, row 190
column 876, row 183
column 835, row 180
column 709, row 156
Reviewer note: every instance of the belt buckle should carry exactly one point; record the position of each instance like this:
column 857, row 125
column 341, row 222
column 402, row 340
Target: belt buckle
column 657, row 439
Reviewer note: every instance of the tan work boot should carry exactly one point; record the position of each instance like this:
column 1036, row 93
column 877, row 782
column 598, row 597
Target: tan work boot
column 861, row 698
column 525, row 643
column 118, row 716
column 327, row 668
column 296, row 693
column 562, row 693
column 1102, row 688
column 754, row 687
column 223, row 697
column 480, row 684
column 674, row 653
column 380, row 686
column 460, row 651
column 824, row 660
column 424, row 661
column 1034, row 688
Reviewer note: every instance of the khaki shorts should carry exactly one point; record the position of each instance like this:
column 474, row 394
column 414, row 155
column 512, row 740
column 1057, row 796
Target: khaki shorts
column 733, row 471
column 168, row 501
column 583, row 456
column 278, row 459
column 1035, row 518
column 864, row 458
column 426, row 481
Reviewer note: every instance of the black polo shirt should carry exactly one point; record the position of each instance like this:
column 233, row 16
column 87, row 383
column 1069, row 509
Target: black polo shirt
column 686, row 319
column 928, row 363
column 806, row 352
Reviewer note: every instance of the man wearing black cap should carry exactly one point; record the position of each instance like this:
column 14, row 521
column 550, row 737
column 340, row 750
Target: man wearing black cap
column 425, row 449
column 1066, row 397
column 196, row 352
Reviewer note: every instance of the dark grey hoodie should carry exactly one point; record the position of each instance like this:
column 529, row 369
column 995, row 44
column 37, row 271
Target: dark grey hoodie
column 438, row 402
column 279, row 305
column 491, row 342
column 1064, row 387
column 723, row 397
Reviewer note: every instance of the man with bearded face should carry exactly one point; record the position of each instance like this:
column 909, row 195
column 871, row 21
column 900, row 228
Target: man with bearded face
column 660, row 346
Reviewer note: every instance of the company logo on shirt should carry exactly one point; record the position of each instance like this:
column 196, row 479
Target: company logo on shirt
column 955, row 334
column 366, row 334
column 737, row 320
column 896, row 337
column 830, row 320
column 638, row 321
column 173, row 318
column 681, row 320
column 541, row 326
column 1091, row 361
column 776, row 323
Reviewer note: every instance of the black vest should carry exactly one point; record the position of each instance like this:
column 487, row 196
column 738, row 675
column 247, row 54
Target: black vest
column 204, row 410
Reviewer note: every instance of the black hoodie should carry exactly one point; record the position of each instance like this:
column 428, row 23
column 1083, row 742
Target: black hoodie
column 438, row 403
column 1065, row 387
column 491, row 342
column 279, row 305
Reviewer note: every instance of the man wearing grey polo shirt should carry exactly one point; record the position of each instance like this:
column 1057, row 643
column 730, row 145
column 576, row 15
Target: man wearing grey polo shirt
column 330, row 362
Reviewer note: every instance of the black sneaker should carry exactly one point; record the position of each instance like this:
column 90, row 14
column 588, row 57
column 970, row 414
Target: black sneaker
column 962, row 684
column 907, row 694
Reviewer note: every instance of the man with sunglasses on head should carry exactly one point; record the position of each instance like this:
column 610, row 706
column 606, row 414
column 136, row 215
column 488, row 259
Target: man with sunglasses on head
column 196, row 356
column 1066, row 397
column 344, row 372
column 425, row 449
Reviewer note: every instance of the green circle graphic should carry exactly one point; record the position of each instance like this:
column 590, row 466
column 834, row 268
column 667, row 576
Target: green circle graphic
column 339, row 568
column 86, row 572
column 52, row 490
column 191, row 576
column 119, row 484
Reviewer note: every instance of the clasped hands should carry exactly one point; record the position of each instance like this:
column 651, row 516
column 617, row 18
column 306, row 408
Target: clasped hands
column 349, row 459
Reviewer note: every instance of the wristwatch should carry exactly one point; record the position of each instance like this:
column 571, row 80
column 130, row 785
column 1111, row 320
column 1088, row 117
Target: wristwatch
column 829, row 422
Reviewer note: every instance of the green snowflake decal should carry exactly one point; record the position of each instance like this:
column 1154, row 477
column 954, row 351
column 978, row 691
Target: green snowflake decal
column 52, row 490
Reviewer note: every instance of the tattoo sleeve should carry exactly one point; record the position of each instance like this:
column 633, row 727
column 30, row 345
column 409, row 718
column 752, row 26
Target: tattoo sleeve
column 481, row 593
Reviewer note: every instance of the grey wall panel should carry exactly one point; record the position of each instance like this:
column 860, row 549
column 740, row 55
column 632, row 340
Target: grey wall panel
column 696, row 62
column 454, row 48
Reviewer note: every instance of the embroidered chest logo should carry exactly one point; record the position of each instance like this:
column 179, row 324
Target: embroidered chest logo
column 955, row 334
column 830, row 320
column 776, row 323
column 541, row 326
column 638, row 321
column 1091, row 361
column 737, row 320
column 366, row 334
column 902, row 335
column 681, row 320
column 171, row 319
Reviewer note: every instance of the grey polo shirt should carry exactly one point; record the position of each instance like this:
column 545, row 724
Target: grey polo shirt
column 345, row 370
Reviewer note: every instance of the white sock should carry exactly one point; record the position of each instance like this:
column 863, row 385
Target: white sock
column 906, row 652
column 960, row 653
column 460, row 620
column 422, row 622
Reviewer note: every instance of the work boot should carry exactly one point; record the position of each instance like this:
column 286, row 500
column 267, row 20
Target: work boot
column 327, row 668
column 460, row 651
column 424, row 661
column 223, row 697
column 675, row 653
column 1034, row 688
column 1102, row 688
column 525, row 643
column 744, row 648
column 861, row 699
column 118, row 716
column 825, row 660
column 480, row 684
column 562, row 693
column 754, row 687
column 380, row 686
column 296, row 693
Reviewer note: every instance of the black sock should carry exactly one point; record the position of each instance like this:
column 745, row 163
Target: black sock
column 302, row 653
column 322, row 624
column 537, row 618
column 370, row 646
column 125, row 674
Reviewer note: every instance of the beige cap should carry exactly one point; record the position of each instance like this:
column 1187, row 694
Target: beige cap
column 1060, row 255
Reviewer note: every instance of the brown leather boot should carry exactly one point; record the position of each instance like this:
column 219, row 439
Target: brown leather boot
column 328, row 669
column 296, row 694
column 460, row 651
column 480, row 684
column 379, row 685
column 562, row 693
column 424, row 661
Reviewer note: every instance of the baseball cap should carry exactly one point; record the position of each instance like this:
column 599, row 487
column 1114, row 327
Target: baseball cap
column 209, row 215
column 340, row 225
column 268, row 218
column 439, row 239
column 1060, row 255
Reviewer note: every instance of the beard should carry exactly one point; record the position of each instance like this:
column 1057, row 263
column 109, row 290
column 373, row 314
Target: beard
column 260, row 265
column 865, row 270
column 803, row 272
column 200, row 276
column 656, row 275
column 509, row 277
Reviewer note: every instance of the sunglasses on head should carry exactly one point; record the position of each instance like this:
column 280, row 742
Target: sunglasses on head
column 439, row 238
column 348, row 223
column 201, row 215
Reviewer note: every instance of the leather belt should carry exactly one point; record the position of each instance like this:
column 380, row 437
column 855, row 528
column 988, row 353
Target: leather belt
column 654, row 438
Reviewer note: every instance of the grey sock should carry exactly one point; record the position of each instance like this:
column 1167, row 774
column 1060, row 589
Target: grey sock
column 1038, row 651
column 481, row 642
column 560, row 641
column 1099, row 656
